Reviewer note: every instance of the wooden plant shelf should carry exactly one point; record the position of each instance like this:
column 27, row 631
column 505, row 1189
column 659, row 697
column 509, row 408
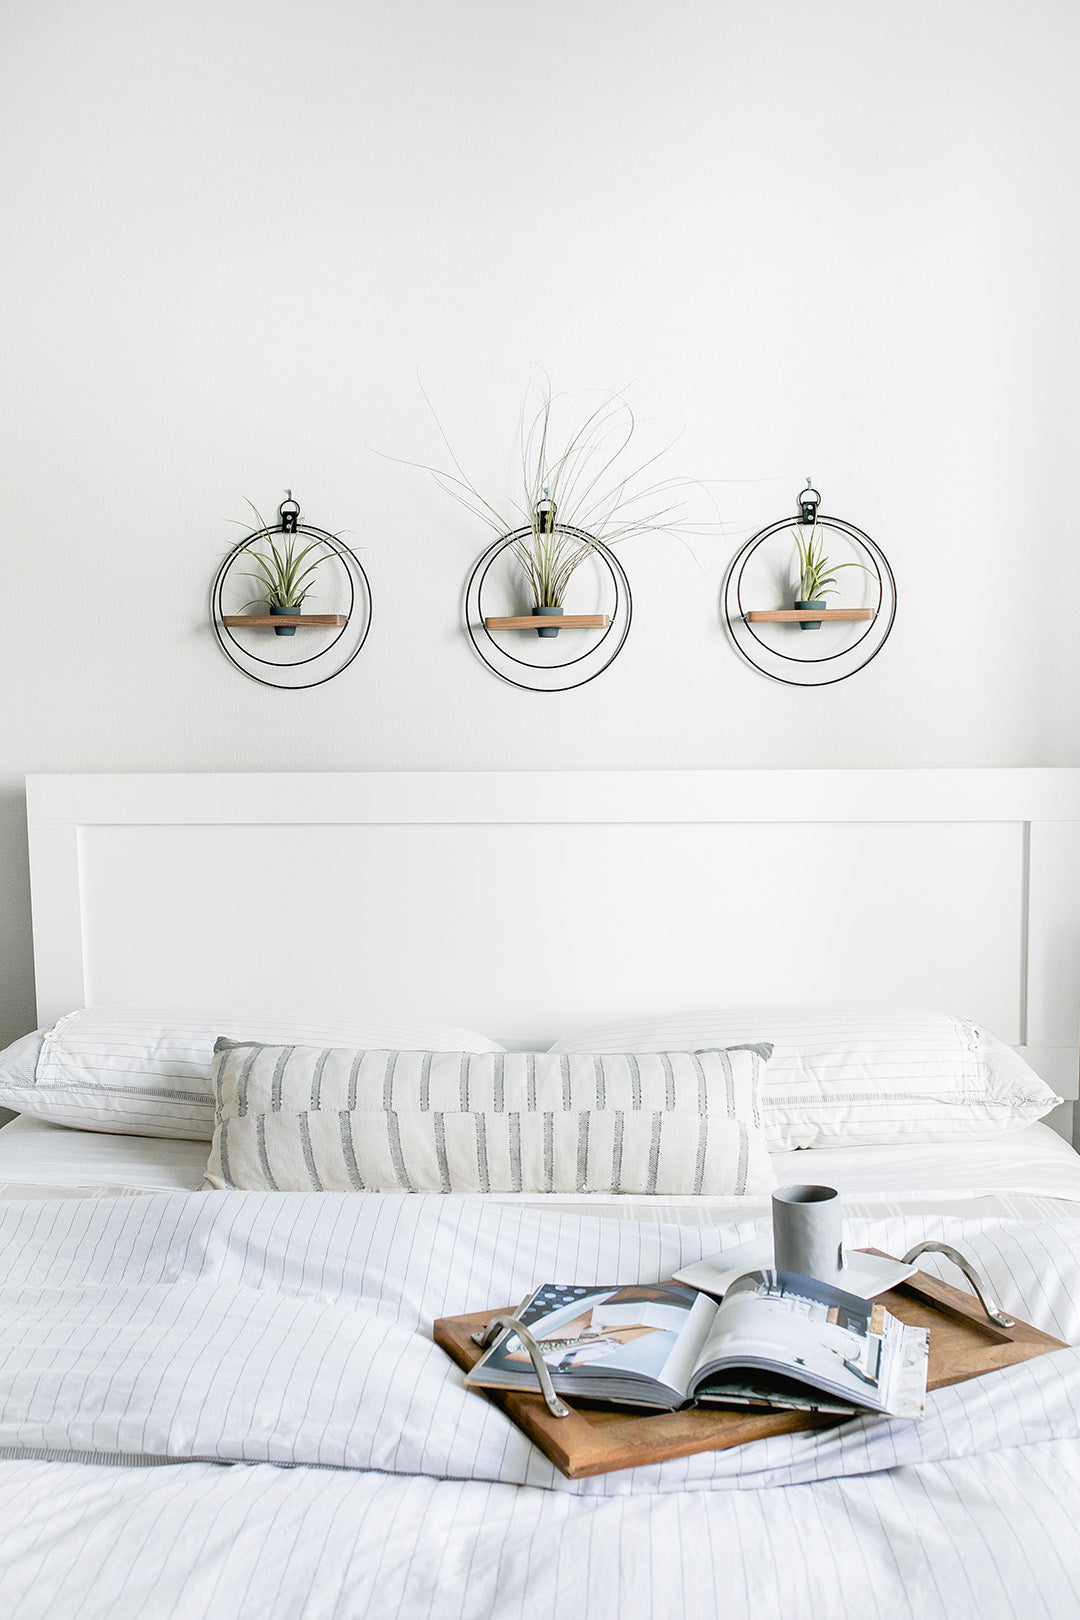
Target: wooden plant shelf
column 273, row 621
column 797, row 615
column 537, row 621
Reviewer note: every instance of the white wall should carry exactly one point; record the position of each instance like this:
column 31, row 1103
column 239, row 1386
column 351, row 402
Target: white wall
column 819, row 236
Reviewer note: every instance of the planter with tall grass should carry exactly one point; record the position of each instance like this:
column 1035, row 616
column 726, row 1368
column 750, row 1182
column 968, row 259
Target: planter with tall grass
column 580, row 487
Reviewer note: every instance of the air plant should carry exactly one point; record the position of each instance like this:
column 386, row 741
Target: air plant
column 817, row 575
column 283, row 577
column 572, row 497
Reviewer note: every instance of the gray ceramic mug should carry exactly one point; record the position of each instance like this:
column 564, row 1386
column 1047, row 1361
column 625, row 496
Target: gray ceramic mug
column 808, row 1233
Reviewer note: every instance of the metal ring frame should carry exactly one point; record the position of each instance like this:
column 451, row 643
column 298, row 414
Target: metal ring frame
column 474, row 610
column 735, row 610
column 354, row 571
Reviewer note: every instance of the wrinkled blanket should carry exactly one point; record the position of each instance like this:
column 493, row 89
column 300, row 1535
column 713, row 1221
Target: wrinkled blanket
column 295, row 1329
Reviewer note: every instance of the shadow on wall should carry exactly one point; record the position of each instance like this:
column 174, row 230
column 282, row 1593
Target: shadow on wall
column 17, row 1008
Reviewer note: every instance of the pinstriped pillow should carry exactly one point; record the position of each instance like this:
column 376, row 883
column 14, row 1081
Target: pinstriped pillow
column 851, row 1077
column 301, row 1119
column 139, row 1071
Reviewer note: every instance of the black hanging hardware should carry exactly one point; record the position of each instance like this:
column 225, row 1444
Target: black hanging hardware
column 289, row 512
column 809, row 501
column 545, row 514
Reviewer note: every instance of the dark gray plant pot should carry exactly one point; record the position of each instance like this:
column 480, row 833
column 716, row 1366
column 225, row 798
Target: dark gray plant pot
column 284, row 612
column 548, row 613
column 810, row 624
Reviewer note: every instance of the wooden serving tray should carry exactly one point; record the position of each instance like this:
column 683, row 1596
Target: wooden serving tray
column 964, row 1343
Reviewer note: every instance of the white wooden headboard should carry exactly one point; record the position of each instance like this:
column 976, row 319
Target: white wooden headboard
column 526, row 904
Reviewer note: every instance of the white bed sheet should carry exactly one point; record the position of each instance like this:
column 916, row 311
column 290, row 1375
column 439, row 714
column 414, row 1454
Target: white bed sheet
column 1034, row 1159
column 40, row 1160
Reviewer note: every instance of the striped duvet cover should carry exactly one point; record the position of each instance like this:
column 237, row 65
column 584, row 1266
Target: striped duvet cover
column 147, row 1342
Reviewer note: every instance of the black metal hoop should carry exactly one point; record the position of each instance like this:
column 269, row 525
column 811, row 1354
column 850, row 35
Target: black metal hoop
column 289, row 511
column 619, row 625
column 237, row 552
column 877, row 564
column 879, row 627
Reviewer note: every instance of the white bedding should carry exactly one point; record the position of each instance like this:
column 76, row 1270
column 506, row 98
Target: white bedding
column 1034, row 1159
column 250, row 1327
column 41, row 1160
column 938, row 1542
column 295, row 1327
column 262, row 1329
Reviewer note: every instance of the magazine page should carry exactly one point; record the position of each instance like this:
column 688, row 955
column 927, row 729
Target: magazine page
column 817, row 1335
column 651, row 1332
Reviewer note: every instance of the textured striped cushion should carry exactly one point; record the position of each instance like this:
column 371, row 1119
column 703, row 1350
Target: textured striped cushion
column 302, row 1119
column 143, row 1072
column 839, row 1078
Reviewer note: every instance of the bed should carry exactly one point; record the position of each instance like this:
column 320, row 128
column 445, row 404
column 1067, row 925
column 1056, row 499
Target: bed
column 227, row 1401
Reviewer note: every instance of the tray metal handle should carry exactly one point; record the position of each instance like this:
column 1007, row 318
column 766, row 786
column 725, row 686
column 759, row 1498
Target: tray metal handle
column 973, row 1275
column 485, row 1338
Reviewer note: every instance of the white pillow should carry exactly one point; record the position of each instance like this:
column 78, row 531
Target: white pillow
column 840, row 1078
column 297, row 1119
column 141, row 1072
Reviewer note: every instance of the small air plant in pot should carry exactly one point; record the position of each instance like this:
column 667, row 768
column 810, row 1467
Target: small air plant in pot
column 817, row 575
column 285, row 575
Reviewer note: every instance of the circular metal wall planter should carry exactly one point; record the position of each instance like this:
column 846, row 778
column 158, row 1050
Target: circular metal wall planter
column 509, row 644
column 293, row 652
column 843, row 640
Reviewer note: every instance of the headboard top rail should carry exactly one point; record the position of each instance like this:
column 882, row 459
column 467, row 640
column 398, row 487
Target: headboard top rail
column 975, row 794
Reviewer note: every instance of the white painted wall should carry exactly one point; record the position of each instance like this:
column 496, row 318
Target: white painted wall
column 818, row 236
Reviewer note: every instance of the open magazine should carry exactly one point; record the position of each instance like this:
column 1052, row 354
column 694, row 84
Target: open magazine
column 775, row 1340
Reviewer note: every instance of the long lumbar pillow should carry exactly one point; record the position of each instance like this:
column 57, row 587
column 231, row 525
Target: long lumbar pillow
column 296, row 1118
